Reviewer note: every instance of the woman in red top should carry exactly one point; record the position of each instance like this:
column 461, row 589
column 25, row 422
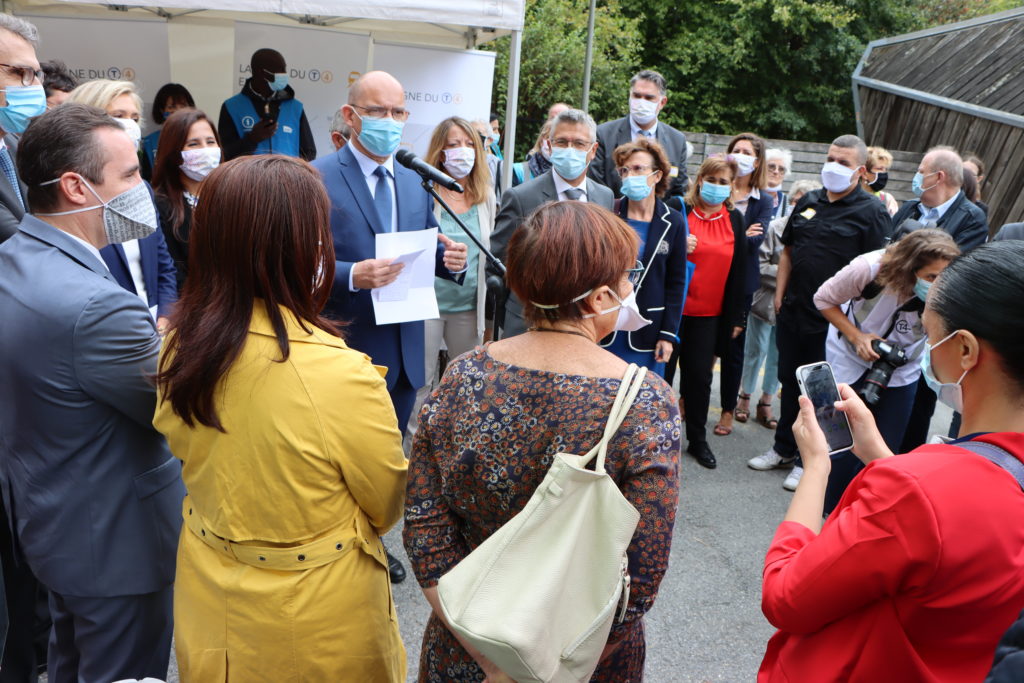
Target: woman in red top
column 920, row 568
column 713, row 312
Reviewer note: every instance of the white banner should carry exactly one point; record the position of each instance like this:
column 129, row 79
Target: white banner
column 438, row 83
column 321, row 66
column 121, row 50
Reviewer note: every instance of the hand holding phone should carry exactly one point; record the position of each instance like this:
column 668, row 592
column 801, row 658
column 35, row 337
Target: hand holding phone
column 818, row 384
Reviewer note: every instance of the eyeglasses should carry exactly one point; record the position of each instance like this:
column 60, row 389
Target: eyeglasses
column 578, row 145
column 776, row 168
column 636, row 169
column 397, row 113
column 27, row 74
column 634, row 274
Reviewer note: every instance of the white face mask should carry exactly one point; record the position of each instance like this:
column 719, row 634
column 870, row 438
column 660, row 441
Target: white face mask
column 198, row 163
column 131, row 126
column 129, row 216
column 836, row 177
column 630, row 318
column 744, row 163
column 459, row 161
column 643, row 111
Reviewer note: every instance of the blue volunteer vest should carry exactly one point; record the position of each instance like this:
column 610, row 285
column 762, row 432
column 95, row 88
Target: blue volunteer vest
column 149, row 145
column 285, row 140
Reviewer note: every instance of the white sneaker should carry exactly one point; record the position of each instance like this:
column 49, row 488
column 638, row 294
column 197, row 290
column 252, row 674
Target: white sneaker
column 793, row 479
column 769, row 460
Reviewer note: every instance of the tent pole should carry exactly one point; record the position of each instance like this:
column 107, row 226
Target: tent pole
column 511, row 108
column 589, row 60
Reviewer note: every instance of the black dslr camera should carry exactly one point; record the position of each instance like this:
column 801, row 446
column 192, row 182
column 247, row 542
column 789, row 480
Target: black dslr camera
column 890, row 357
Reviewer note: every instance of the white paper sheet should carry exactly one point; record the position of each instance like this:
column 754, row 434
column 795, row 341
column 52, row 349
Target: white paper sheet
column 411, row 296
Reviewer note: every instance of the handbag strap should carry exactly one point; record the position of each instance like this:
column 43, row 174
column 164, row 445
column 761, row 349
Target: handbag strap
column 998, row 456
column 629, row 387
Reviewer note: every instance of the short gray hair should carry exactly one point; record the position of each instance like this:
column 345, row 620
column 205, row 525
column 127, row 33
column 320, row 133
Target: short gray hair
column 784, row 154
column 651, row 76
column 853, row 142
column 804, row 186
column 20, row 28
column 576, row 117
column 338, row 125
column 947, row 160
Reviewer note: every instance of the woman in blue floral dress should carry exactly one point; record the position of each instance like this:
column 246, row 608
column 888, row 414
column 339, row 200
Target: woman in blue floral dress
column 489, row 432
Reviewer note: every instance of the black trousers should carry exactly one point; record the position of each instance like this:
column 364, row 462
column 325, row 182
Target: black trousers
column 796, row 348
column 920, row 418
column 28, row 622
column 699, row 336
column 732, row 364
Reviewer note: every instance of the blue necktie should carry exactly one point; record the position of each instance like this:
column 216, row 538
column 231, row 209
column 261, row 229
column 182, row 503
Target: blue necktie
column 7, row 166
column 382, row 197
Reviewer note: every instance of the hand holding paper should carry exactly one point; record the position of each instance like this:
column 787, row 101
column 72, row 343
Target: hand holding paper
column 410, row 294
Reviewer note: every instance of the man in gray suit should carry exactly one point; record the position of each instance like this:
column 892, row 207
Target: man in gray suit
column 91, row 490
column 647, row 97
column 24, row 97
column 573, row 142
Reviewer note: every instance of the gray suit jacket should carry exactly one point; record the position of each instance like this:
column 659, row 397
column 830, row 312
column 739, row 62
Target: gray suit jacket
column 90, row 487
column 611, row 134
column 516, row 204
column 10, row 208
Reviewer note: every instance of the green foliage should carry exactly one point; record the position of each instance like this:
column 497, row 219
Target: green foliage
column 553, row 52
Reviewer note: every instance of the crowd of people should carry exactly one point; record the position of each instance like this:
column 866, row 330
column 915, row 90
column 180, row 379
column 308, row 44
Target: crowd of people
column 204, row 432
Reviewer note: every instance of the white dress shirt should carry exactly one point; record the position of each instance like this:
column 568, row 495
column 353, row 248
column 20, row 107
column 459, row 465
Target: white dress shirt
column 561, row 185
column 937, row 212
column 369, row 166
column 93, row 250
column 133, row 256
column 637, row 132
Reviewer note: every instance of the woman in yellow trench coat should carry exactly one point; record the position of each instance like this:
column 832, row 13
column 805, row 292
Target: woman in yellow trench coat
column 290, row 447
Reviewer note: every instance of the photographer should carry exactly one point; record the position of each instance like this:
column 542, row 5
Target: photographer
column 875, row 336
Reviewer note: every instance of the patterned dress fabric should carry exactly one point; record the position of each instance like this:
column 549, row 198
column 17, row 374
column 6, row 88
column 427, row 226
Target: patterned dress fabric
column 487, row 438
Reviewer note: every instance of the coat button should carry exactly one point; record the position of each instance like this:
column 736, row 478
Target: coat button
column 302, row 558
column 190, row 511
column 262, row 559
column 337, row 547
column 202, row 531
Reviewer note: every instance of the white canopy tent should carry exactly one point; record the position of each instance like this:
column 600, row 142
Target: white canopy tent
column 197, row 24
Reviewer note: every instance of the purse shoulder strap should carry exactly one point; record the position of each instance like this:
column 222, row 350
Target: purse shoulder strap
column 998, row 456
column 629, row 387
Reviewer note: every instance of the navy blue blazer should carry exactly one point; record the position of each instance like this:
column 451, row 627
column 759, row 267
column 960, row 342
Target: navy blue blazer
column 659, row 293
column 758, row 211
column 157, row 271
column 354, row 225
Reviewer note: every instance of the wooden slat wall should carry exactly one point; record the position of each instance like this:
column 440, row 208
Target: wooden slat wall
column 896, row 122
column 808, row 158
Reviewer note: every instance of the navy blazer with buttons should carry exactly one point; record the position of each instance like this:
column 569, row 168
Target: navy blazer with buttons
column 758, row 211
column 659, row 293
column 158, row 271
column 355, row 224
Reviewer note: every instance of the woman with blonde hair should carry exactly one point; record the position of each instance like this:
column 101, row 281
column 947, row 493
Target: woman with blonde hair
column 874, row 181
column 455, row 147
column 143, row 267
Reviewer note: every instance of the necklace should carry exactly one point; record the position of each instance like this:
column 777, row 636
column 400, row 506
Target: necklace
column 552, row 329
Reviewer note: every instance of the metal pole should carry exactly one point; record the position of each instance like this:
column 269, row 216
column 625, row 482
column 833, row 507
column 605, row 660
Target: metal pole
column 589, row 60
column 511, row 108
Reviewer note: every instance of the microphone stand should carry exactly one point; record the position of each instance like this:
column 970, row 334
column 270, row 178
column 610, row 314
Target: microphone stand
column 495, row 284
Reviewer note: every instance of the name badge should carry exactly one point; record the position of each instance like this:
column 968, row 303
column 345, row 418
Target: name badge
column 674, row 172
column 286, row 129
column 808, row 214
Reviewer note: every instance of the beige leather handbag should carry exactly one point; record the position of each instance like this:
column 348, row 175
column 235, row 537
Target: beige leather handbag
column 539, row 596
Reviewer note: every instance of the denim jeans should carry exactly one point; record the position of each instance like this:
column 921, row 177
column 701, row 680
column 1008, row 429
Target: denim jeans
column 760, row 348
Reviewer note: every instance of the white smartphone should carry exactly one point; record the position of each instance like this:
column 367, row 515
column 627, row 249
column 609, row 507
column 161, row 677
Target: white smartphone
column 819, row 384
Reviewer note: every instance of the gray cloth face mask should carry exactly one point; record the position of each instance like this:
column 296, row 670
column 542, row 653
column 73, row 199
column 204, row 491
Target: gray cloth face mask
column 129, row 216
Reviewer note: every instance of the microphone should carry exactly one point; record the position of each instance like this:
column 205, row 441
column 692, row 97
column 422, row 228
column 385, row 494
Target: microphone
column 426, row 171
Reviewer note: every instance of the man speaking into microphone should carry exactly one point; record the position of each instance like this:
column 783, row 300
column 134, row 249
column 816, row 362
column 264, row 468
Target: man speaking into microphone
column 371, row 194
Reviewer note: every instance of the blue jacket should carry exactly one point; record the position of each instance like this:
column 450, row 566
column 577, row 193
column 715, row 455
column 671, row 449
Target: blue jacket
column 91, row 490
column 355, row 224
column 758, row 211
column 157, row 271
column 659, row 293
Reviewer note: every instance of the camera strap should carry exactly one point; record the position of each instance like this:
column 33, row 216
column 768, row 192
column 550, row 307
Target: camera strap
column 998, row 456
column 915, row 305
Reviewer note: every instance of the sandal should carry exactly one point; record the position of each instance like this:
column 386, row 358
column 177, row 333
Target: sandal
column 743, row 414
column 723, row 429
column 764, row 415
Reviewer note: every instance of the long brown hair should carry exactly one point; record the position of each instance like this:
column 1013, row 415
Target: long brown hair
column 167, row 167
column 760, row 179
column 478, row 182
column 262, row 230
column 904, row 258
column 713, row 164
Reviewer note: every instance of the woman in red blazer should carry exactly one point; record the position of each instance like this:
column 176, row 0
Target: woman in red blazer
column 920, row 568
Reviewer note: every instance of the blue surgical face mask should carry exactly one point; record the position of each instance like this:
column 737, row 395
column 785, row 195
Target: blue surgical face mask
column 714, row 195
column 635, row 187
column 24, row 102
column 921, row 289
column 568, row 162
column 495, row 138
column 279, row 83
column 917, row 184
column 381, row 137
column 949, row 393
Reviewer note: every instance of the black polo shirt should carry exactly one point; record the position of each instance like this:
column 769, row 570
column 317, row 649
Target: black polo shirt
column 825, row 236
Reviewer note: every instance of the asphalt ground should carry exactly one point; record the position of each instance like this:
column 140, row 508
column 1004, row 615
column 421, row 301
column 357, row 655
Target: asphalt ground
column 706, row 624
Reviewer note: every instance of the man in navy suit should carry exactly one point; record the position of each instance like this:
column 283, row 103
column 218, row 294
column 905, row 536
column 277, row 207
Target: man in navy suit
column 371, row 194
column 153, row 279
